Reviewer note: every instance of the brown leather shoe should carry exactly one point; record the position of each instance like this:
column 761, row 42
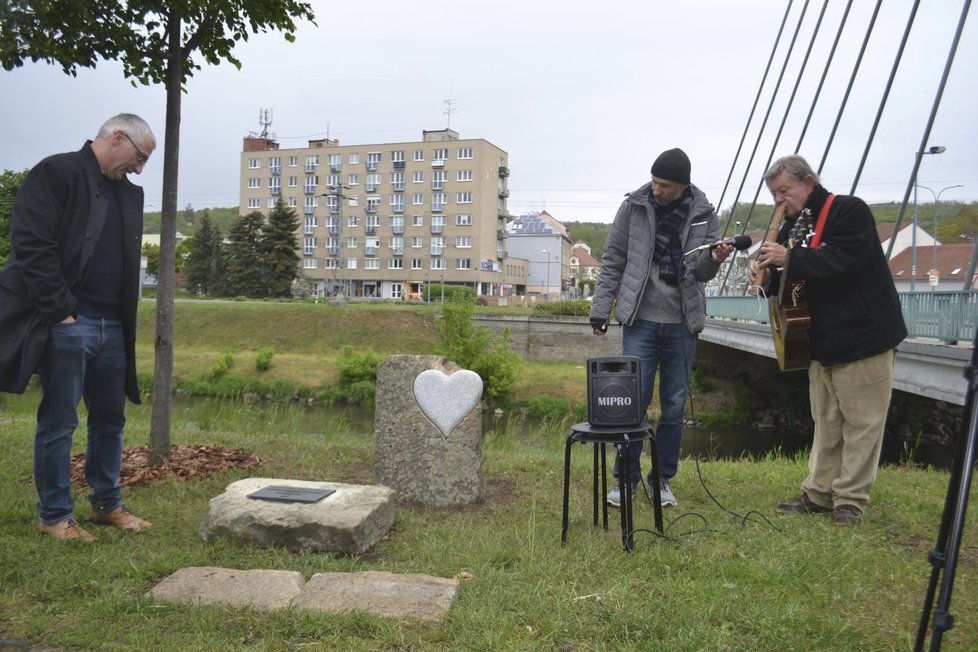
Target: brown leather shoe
column 121, row 518
column 847, row 515
column 66, row 529
column 801, row 505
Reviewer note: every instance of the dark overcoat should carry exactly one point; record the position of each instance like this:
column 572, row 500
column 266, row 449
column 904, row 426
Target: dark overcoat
column 57, row 219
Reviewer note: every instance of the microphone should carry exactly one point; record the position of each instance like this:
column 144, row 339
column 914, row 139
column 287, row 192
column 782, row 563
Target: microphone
column 740, row 243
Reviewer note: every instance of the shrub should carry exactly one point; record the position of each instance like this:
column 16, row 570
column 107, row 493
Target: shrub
column 355, row 366
column 475, row 348
column 361, row 392
column 222, row 365
column 433, row 292
column 575, row 308
column 263, row 360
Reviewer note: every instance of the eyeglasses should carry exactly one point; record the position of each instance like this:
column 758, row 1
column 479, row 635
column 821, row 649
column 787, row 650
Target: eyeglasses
column 141, row 158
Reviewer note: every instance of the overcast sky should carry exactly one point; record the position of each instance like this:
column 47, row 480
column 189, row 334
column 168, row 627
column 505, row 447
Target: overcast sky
column 582, row 95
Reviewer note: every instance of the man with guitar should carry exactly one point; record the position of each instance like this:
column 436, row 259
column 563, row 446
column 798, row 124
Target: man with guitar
column 662, row 247
column 856, row 324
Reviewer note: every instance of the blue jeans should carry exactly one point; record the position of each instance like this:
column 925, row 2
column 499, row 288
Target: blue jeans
column 668, row 348
column 83, row 360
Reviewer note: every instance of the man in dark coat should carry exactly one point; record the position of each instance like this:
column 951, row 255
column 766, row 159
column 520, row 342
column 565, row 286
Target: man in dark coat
column 856, row 324
column 68, row 297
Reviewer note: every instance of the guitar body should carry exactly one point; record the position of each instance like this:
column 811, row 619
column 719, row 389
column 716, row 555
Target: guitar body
column 788, row 309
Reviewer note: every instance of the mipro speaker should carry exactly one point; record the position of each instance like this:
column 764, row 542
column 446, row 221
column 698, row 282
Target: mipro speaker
column 614, row 391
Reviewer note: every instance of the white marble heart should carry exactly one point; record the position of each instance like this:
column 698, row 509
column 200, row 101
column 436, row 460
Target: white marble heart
column 446, row 400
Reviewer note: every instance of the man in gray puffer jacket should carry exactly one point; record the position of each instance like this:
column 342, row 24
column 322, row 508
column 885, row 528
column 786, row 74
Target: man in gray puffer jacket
column 658, row 296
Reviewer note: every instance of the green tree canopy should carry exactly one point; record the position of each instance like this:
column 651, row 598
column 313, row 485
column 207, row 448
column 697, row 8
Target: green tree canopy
column 279, row 248
column 205, row 264
column 9, row 185
column 244, row 275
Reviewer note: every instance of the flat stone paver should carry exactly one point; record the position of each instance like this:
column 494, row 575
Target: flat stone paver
column 260, row 589
column 388, row 594
column 416, row 596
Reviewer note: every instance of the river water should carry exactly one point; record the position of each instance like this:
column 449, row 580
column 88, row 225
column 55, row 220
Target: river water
column 708, row 442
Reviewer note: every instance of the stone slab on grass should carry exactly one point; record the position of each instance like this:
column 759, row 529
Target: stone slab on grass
column 259, row 589
column 414, row 596
column 422, row 597
column 349, row 521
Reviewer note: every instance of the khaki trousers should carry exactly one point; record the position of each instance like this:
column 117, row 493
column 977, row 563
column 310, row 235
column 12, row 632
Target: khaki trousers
column 849, row 405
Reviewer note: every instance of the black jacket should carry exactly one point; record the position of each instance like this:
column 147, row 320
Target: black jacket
column 57, row 218
column 851, row 297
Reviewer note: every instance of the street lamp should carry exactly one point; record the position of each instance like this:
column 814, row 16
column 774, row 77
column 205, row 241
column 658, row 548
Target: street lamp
column 935, row 149
column 937, row 199
column 546, row 258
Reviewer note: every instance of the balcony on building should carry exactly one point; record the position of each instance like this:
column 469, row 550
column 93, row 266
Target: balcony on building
column 397, row 228
column 310, row 167
column 398, row 186
column 310, row 190
column 435, row 250
column 370, row 251
column 437, row 228
column 333, row 229
column 371, row 187
column 308, row 251
column 399, row 165
column 399, row 208
column 371, row 208
column 276, row 169
column 309, row 210
column 308, row 229
column 370, row 229
column 334, row 252
column 438, row 163
column 437, row 208
column 503, row 214
column 276, row 190
column 437, row 185
column 372, row 165
column 503, row 171
column 397, row 251
column 335, row 167
column 503, row 193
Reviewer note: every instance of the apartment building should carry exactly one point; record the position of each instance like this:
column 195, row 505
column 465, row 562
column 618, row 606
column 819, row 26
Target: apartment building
column 542, row 240
column 383, row 220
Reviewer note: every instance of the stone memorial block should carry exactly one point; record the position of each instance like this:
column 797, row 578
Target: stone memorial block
column 350, row 520
column 428, row 430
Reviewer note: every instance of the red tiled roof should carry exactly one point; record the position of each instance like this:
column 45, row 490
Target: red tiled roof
column 952, row 262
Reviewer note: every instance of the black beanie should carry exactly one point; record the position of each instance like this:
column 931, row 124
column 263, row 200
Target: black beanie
column 672, row 165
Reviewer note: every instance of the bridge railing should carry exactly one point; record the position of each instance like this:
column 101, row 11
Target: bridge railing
column 947, row 316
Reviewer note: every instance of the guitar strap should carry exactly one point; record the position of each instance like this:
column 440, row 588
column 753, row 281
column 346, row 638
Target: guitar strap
column 821, row 223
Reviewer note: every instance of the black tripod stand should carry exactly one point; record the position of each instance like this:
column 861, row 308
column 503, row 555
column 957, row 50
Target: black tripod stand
column 944, row 555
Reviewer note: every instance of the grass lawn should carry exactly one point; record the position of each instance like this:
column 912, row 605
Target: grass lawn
column 721, row 581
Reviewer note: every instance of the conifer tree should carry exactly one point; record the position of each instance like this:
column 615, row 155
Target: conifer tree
column 279, row 243
column 243, row 257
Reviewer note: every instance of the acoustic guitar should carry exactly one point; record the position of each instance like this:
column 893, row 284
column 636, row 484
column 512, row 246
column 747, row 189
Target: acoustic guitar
column 788, row 308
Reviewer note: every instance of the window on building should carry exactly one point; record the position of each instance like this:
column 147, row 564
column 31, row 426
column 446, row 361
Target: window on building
column 354, row 158
column 464, row 152
column 463, row 198
column 463, row 263
column 419, row 155
column 397, row 290
column 397, row 155
column 463, row 241
column 417, row 241
column 463, row 175
column 352, row 221
column 439, row 155
column 293, row 161
column 438, row 263
column 335, row 159
column 293, row 182
column 293, row 202
column 272, row 201
column 310, row 263
column 417, row 199
column 419, row 176
column 333, row 181
column 311, row 162
column 371, row 263
column 275, row 163
column 311, row 183
column 438, row 201
column 351, row 242
column 308, row 246
column 395, row 263
column 351, row 263
column 463, row 219
column 254, row 202
column 417, row 263
column 417, row 220
column 254, row 182
column 331, row 263
column 353, row 180
column 373, row 181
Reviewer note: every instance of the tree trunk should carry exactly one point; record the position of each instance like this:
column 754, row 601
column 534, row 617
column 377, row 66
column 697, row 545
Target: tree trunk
column 162, row 380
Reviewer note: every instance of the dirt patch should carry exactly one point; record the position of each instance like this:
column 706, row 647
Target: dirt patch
column 185, row 463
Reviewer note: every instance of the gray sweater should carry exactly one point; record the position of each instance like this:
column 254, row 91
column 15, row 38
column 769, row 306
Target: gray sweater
column 627, row 262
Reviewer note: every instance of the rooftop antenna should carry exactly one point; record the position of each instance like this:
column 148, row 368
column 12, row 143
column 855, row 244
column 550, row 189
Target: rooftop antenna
column 265, row 120
column 449, row 109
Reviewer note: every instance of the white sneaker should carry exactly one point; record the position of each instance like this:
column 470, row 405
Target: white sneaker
column 614, row 496
column 665, row 494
